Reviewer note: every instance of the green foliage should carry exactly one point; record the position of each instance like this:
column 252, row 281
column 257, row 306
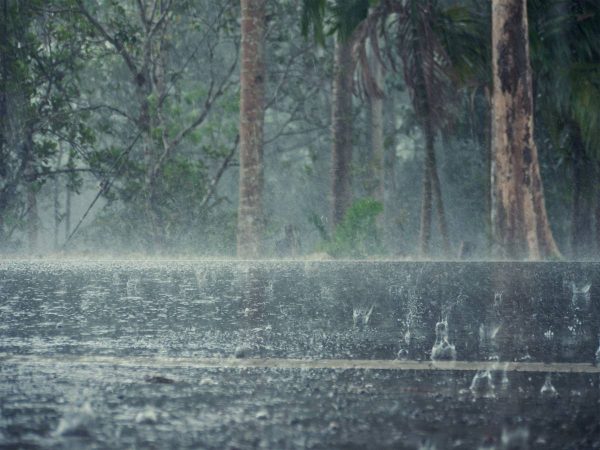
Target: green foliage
column 340, row 17
column 357, row 235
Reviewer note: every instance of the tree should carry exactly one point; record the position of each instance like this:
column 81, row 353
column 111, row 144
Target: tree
column 157, row 43
column 341, row 131
column 568, row 100
column 426, row 67
column 40, row 62
column 520, row 221
column 342, row 19
column 252, row 110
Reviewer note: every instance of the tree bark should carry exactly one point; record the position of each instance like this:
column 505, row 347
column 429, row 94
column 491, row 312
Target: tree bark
column 32, row 219
column 391, row 235
column 426, row 202
column 4, row 69
column 521, row 227
column 375, row 177
column 431, row 183
column 252, row 110
column 341, row 123
column 68, row 203
column 597, row 209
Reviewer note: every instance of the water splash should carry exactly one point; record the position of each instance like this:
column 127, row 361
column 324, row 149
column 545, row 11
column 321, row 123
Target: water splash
column 548, row 390
column 487, row 341
column 580, row 298
column 504, row 381
column 517, row 439
column 76, row 421
column 148, row 416
column 498, row 299
column 361, row 316
column 577, row 318
column 405, row 344
column 442, row 350
column 427, row 445
column 132, row 287
column 482, row 385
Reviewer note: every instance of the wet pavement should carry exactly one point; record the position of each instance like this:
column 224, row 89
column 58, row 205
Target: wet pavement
column 165, row 355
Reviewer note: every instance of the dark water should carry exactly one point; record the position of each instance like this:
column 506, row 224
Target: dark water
column 55, row 315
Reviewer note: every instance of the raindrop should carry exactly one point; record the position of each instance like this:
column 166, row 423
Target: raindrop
column 598, row 353
column 548, row 390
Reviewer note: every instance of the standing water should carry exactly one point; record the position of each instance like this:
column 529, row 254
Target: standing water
column 299, row 354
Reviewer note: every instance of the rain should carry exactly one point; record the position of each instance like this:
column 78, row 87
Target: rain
column 323, row 224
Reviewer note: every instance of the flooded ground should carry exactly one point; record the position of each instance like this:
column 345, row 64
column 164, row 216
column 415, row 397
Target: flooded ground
column 164, row 355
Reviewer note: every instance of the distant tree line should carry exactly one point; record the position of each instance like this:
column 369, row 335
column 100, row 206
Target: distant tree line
column 269, row 127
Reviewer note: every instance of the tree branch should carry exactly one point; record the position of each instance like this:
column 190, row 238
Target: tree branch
column 213, row 184
column 210, row 100
column 110, row 39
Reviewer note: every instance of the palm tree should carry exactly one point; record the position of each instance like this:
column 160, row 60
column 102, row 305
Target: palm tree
column 341, row 131
column 425, row 68
column 252, row 111
column 420, row 34
column 342, row 18
column 569, row 100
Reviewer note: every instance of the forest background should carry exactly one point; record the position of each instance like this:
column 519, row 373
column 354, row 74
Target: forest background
column 121, row 128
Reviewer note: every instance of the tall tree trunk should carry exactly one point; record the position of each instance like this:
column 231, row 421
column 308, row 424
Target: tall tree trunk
column 56, row 208
column 432, row 194
column 32, row 219
column 597, row 209
column 376, row 166
column 252, row 111
column 68, row 203
column 4, row 70
column 390, row 189
column 426, row 200
column 520, row 222
column 431, row 182
column 583, row 195
column 341, row 123
column 490, row 199
column 439, row 206
column 68, row 214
